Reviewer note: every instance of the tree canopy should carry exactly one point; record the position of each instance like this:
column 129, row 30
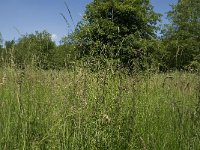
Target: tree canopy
column 119, row 30
column 1, row 41
column 117, row 33
column 182, row 35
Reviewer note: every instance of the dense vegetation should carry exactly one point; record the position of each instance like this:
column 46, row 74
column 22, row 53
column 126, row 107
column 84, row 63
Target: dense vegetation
column 121, row 31
column 111, row 84
column 121, row 34
column 181, row 39
column 81, row 109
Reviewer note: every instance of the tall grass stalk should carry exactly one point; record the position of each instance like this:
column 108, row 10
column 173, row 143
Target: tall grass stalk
column 80, row 109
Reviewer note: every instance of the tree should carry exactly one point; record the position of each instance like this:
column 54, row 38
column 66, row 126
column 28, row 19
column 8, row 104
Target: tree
column 9, row 44
column 34, row 49
column 1, row 49
column 63, row 56
column 182, row 35
column 6, row 53
column 1, row 41
column 120, row 30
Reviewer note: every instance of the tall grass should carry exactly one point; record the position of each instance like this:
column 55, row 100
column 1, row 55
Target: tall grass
column 80, row 109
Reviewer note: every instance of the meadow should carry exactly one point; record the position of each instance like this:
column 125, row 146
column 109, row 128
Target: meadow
column 80, row 109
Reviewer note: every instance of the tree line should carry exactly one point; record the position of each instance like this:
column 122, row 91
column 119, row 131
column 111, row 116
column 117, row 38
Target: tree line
column 118, row 33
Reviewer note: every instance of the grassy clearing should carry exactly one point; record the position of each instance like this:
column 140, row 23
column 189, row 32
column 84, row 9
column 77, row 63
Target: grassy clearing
column 83, row 110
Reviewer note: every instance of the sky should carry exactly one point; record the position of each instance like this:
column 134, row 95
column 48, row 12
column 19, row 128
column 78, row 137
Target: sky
column 20, row 17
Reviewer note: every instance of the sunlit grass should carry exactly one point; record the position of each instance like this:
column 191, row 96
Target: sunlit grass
column 85, row 110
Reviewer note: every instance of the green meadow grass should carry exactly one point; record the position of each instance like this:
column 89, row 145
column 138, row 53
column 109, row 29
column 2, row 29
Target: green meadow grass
column 84, row 110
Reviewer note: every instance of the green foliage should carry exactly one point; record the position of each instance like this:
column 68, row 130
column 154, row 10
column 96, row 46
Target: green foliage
column 1, row 41
column 1, row 49
column 39, row 50
column 34, row 49
column 9, row 44
column 6, row 53
column 119, row 30
column 116, row 33
column 182, row 36
column 63, row 56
